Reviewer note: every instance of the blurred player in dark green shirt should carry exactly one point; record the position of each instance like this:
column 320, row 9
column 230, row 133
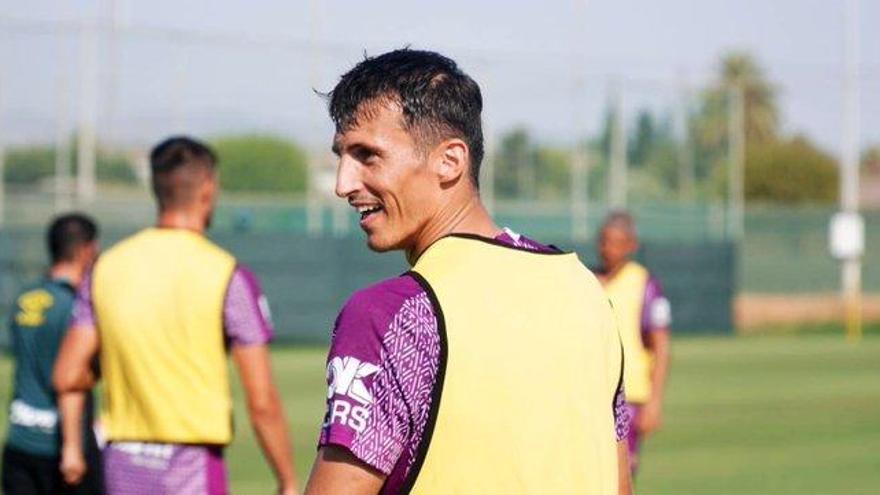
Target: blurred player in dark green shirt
column 38, row 321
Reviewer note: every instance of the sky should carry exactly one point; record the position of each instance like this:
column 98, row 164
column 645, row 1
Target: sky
column 220, row 66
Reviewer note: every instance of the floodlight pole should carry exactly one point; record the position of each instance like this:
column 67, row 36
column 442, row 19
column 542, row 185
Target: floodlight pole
column 617, row 176
column 736, row 143
column 579, row 184
column 314, row 211
column 86, row 155
column 851, row 267
column 2, row 160
column 487, row 168
column 111, row 98
column 2, row 182
column 62, row 141
column 685, row 151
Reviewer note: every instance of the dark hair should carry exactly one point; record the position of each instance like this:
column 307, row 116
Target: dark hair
column 620, row 219
column 172, row 163
column 437, row 99
column 67, row 233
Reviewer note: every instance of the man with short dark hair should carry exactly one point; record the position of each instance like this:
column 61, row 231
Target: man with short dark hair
column 39, row 320
column 644, row 316
column 161, row 309
column 494, row 365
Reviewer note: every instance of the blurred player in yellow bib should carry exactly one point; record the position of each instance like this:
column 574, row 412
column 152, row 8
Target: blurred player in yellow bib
column 161, row 309
column 644, row 316
column 494, row 364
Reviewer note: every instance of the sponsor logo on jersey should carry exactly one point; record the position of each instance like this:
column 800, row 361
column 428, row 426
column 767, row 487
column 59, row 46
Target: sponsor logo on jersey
column 349, row 397
column 23, row 414
column 154, row 456
column 31, row 307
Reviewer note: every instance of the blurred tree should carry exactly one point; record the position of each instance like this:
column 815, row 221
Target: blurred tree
column 29, row 165
column 526, row 170
column 114, row 168
column 790, row 171
column 777, row 168
column 553, row 169
column 261, row 163
column 710, row 124
column 516, row 155
column 651, row 156
column 643, row 139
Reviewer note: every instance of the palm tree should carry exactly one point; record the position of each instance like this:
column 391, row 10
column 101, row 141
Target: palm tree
column 709, row 124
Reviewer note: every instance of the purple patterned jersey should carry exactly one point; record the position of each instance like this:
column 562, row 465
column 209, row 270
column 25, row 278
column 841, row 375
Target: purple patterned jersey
column 158, row 469
column 656, row 311
column 381, row 369
column 137, row 468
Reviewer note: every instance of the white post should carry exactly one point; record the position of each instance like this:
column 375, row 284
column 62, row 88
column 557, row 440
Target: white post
column 617, row 176
column 313, row 202
column 178, row 92
column 62, row 141
column 2, row 183
column 111, row 83
column 579, row 192
column 2, row 161
column 685, row 150
column 487, row 179
column 851, row 268
column 86, row 155
column 735, row 172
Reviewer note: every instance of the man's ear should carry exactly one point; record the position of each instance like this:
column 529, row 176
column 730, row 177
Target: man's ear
column 452, row 157
column 208, row 191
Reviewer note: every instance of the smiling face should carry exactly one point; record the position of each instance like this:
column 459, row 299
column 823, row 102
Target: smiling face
column 385, row 175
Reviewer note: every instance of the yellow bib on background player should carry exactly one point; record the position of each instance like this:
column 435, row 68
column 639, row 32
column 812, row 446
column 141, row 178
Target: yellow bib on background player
column 158, row 299
column 627, row 293
column 527, row 380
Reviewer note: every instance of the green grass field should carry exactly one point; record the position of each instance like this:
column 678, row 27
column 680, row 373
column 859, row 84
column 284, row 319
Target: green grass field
column 789, row 414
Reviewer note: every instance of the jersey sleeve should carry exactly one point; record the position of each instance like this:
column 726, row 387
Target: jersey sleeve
column 247, row 319
column 656, row 312
column 83, row 314
column 381, row 369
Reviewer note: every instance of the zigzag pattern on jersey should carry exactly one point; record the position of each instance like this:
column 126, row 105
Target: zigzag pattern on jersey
column 410, row 354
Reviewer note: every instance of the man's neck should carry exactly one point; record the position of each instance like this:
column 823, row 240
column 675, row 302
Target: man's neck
column 181, row 219
column 468, row 217
column 609, row 272
column 66, row 270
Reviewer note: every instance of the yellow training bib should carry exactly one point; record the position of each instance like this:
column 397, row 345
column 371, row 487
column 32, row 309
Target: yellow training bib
column 627, row 292
column 524, row 399
column 158, row 300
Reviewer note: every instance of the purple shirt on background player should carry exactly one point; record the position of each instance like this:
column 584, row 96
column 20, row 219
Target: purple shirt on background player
column 133, row 467
column 381, row 368
column 656, row 312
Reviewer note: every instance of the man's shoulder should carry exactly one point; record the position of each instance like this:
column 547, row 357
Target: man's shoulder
column 45, row 293
column 41, row 302
column 373, row 308
column 156, row 241
column 384, row 297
